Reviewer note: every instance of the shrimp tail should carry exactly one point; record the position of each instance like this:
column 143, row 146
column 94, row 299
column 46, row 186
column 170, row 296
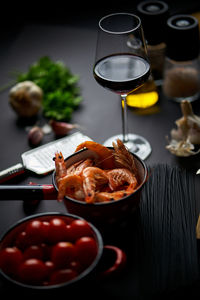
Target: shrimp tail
column 123, row 157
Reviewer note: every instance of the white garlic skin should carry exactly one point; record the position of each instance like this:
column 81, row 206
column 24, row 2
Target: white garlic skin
column 26, row 98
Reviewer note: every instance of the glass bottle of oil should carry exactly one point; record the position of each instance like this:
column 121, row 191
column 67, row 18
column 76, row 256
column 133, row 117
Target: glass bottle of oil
column 145, row 96
column 153, row 15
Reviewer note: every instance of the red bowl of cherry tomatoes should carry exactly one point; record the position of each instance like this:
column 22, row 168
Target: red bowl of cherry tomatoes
column 53, row 250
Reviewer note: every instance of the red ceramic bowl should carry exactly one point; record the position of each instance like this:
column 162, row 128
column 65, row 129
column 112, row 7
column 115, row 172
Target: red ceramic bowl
column 107, row 213
column 118, row 256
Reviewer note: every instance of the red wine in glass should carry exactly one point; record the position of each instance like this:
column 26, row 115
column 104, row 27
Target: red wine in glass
column 121, row 73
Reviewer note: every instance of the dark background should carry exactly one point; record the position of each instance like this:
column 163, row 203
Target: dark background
column 67, row 31
column 65, row 12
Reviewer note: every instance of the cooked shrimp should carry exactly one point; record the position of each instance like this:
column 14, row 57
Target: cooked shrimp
column 121, row 176
column 123, row 157
column 78, row 167
column 106, row 158
column 61, row 169
column 115, row 178
column 93, row 178
column 72, row 186
column 106, row 196
column 71, row 169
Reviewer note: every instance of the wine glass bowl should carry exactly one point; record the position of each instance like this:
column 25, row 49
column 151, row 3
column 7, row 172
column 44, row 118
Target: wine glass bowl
column 121, row 68
column 115, row 67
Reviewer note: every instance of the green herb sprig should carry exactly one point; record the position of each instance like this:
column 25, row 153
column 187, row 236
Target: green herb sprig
column 61, row 94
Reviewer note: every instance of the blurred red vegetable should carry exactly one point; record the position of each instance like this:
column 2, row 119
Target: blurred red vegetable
column 35, row 135
column 62, row 128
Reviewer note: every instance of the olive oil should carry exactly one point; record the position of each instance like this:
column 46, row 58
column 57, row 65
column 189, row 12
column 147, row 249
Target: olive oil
column 145, row 96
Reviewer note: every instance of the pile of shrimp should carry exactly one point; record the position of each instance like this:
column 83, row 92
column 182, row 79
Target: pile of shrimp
column 111, row 177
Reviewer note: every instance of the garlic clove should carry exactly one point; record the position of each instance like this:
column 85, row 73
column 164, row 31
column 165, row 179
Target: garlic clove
column 35, row 135
column 181, row 148
column 62, row 128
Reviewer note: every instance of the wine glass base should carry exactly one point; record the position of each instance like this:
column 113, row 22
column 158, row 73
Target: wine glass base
column 135, row 144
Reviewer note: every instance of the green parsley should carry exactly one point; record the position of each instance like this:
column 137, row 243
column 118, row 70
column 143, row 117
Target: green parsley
column 61, row 94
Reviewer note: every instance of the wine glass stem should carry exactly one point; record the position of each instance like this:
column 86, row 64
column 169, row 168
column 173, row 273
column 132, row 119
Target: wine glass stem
column 124, row 118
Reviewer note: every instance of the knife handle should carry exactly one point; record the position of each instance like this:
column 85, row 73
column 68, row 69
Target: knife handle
column 28, row 193
column 48, row 190
column 11, row 172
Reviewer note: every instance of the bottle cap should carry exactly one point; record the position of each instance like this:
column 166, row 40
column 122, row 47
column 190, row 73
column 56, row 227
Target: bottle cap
column 182, row 38
column 154, row 15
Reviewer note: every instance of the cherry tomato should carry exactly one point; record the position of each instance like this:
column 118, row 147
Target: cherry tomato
column 34, row 251
column 46, row 249
column 86, row 249
column 32, row 271
column 50, row 266
column 75, row 265
column 46, row 227
column 22, row 241
column 35, row 232
column 69, row 233
column 63, row 253
column 62, row 275
column 58, row 230
column 79, row 228
column 10, row 259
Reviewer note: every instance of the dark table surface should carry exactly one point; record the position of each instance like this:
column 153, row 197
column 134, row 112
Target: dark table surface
column 99, row 116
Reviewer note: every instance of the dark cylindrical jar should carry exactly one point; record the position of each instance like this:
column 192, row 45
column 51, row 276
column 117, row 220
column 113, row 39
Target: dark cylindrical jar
column 182, row 66
column 154, row 15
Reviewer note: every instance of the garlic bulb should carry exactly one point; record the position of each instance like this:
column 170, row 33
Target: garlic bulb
column 187, row 133
column 26, row 98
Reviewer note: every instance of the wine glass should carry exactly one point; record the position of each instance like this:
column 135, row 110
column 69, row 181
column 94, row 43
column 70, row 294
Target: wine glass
column 121, row 65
